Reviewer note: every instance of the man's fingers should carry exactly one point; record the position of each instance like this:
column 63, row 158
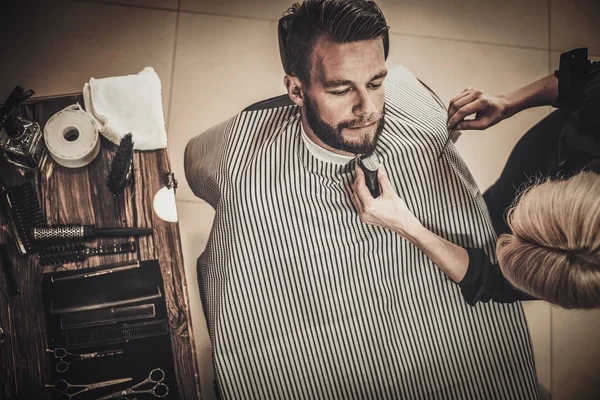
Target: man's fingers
column 466, row 110
column 474, row 124
column 452, row 108
column 457, row 105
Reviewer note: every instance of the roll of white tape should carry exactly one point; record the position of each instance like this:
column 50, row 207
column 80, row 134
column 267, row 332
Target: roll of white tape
column 71, row 136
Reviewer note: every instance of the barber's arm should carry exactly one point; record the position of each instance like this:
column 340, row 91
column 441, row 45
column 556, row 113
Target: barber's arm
column 479, row 279
column 565, row 88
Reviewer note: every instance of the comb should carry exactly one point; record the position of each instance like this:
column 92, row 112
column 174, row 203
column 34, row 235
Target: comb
column 106, row 316
column 23, row 212
column 63, row 254
column 111, row 334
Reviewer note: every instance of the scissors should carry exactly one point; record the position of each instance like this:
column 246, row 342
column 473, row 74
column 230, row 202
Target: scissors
column 159, row 389
column 62, row 365
column 62, row 386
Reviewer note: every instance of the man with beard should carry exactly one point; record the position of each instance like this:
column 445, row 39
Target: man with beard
column 302, row 299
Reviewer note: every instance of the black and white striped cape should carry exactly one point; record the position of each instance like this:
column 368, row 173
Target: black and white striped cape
column 304, row 301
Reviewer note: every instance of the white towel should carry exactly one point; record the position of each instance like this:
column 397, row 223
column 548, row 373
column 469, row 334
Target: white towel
column 125, row 104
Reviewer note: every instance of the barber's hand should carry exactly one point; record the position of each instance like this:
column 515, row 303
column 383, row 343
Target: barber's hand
column 488, row 110
column 386, row 211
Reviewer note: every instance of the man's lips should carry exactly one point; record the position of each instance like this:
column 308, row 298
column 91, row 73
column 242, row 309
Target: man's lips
column 363, row 126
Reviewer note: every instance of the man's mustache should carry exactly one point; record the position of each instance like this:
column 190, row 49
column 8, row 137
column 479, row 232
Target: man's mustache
column 371, row 119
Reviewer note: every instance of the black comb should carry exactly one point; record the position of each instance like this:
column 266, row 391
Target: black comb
column 106, row 316
column 58, row 255
column 112, row 334
column 23, row 212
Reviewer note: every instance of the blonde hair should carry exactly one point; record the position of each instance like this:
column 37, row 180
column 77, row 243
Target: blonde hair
column 553, row 252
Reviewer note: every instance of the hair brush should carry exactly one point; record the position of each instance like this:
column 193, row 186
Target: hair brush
column 58, row 255
column 23, row 212
column 79, row 231
column 121, row 167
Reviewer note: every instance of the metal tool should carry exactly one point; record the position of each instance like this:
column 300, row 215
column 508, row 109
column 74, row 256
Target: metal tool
column 63, row 365
column 97, row 271
column 156, row 376
column 62, row 386
column 118, row 333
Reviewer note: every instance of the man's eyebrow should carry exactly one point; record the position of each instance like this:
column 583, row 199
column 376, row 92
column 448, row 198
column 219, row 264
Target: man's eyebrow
column 344, row 82
column 336, row 82
column 380, row 75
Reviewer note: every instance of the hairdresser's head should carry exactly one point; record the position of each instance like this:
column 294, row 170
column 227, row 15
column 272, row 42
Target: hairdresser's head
column 553, row 252
column 336, row 58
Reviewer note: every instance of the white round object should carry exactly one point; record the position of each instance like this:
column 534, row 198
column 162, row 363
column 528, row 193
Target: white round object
column 72, row 138
column 164, row 204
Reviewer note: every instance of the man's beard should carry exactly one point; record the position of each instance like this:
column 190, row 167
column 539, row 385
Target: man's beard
column 332, row 135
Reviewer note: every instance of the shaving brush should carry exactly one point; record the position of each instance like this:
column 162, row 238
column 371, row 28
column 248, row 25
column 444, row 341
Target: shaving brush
column 121, row 167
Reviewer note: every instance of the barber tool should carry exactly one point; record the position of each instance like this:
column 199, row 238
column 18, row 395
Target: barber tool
column 63, row 254
column 62, row 365
column 450, row 136
column 369, row 163
column 118, row 333
column 72, row 137
column 156, row 377
column 118, row 295
column 164, row 204
column 103, row 292
column 79, row 231
column 20, row 139
column 97, row 271
column 106, row 316
column 8, row 270
column 23, row 212
column 121, row 167
column 62, row 386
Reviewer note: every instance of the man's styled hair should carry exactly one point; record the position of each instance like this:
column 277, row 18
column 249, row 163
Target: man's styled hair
column 342, row 21
column 553, row 252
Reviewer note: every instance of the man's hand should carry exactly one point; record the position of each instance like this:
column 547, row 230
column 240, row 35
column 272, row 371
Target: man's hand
column 488, row 110
column 386, row 211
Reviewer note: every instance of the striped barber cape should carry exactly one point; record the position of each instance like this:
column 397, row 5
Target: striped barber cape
column 304, row 301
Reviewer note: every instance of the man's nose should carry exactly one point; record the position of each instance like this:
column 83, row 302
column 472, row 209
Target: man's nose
column 364, row 103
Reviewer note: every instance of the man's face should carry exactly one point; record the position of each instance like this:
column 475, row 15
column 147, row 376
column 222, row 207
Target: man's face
column 344, row 105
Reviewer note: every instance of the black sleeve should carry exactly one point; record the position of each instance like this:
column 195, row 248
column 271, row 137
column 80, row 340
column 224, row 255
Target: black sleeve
column 579, row 89
column 575, row 73
column 484, row 282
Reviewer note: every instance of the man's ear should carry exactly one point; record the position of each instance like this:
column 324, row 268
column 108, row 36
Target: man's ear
column 294, row 89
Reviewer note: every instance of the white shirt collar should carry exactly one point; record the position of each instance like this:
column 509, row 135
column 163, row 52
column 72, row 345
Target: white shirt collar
column 323, row 154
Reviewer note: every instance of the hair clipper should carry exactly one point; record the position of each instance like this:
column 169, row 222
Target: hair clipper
column 369, row 163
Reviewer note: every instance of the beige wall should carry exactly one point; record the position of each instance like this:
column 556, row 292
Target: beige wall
column 216, row 57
